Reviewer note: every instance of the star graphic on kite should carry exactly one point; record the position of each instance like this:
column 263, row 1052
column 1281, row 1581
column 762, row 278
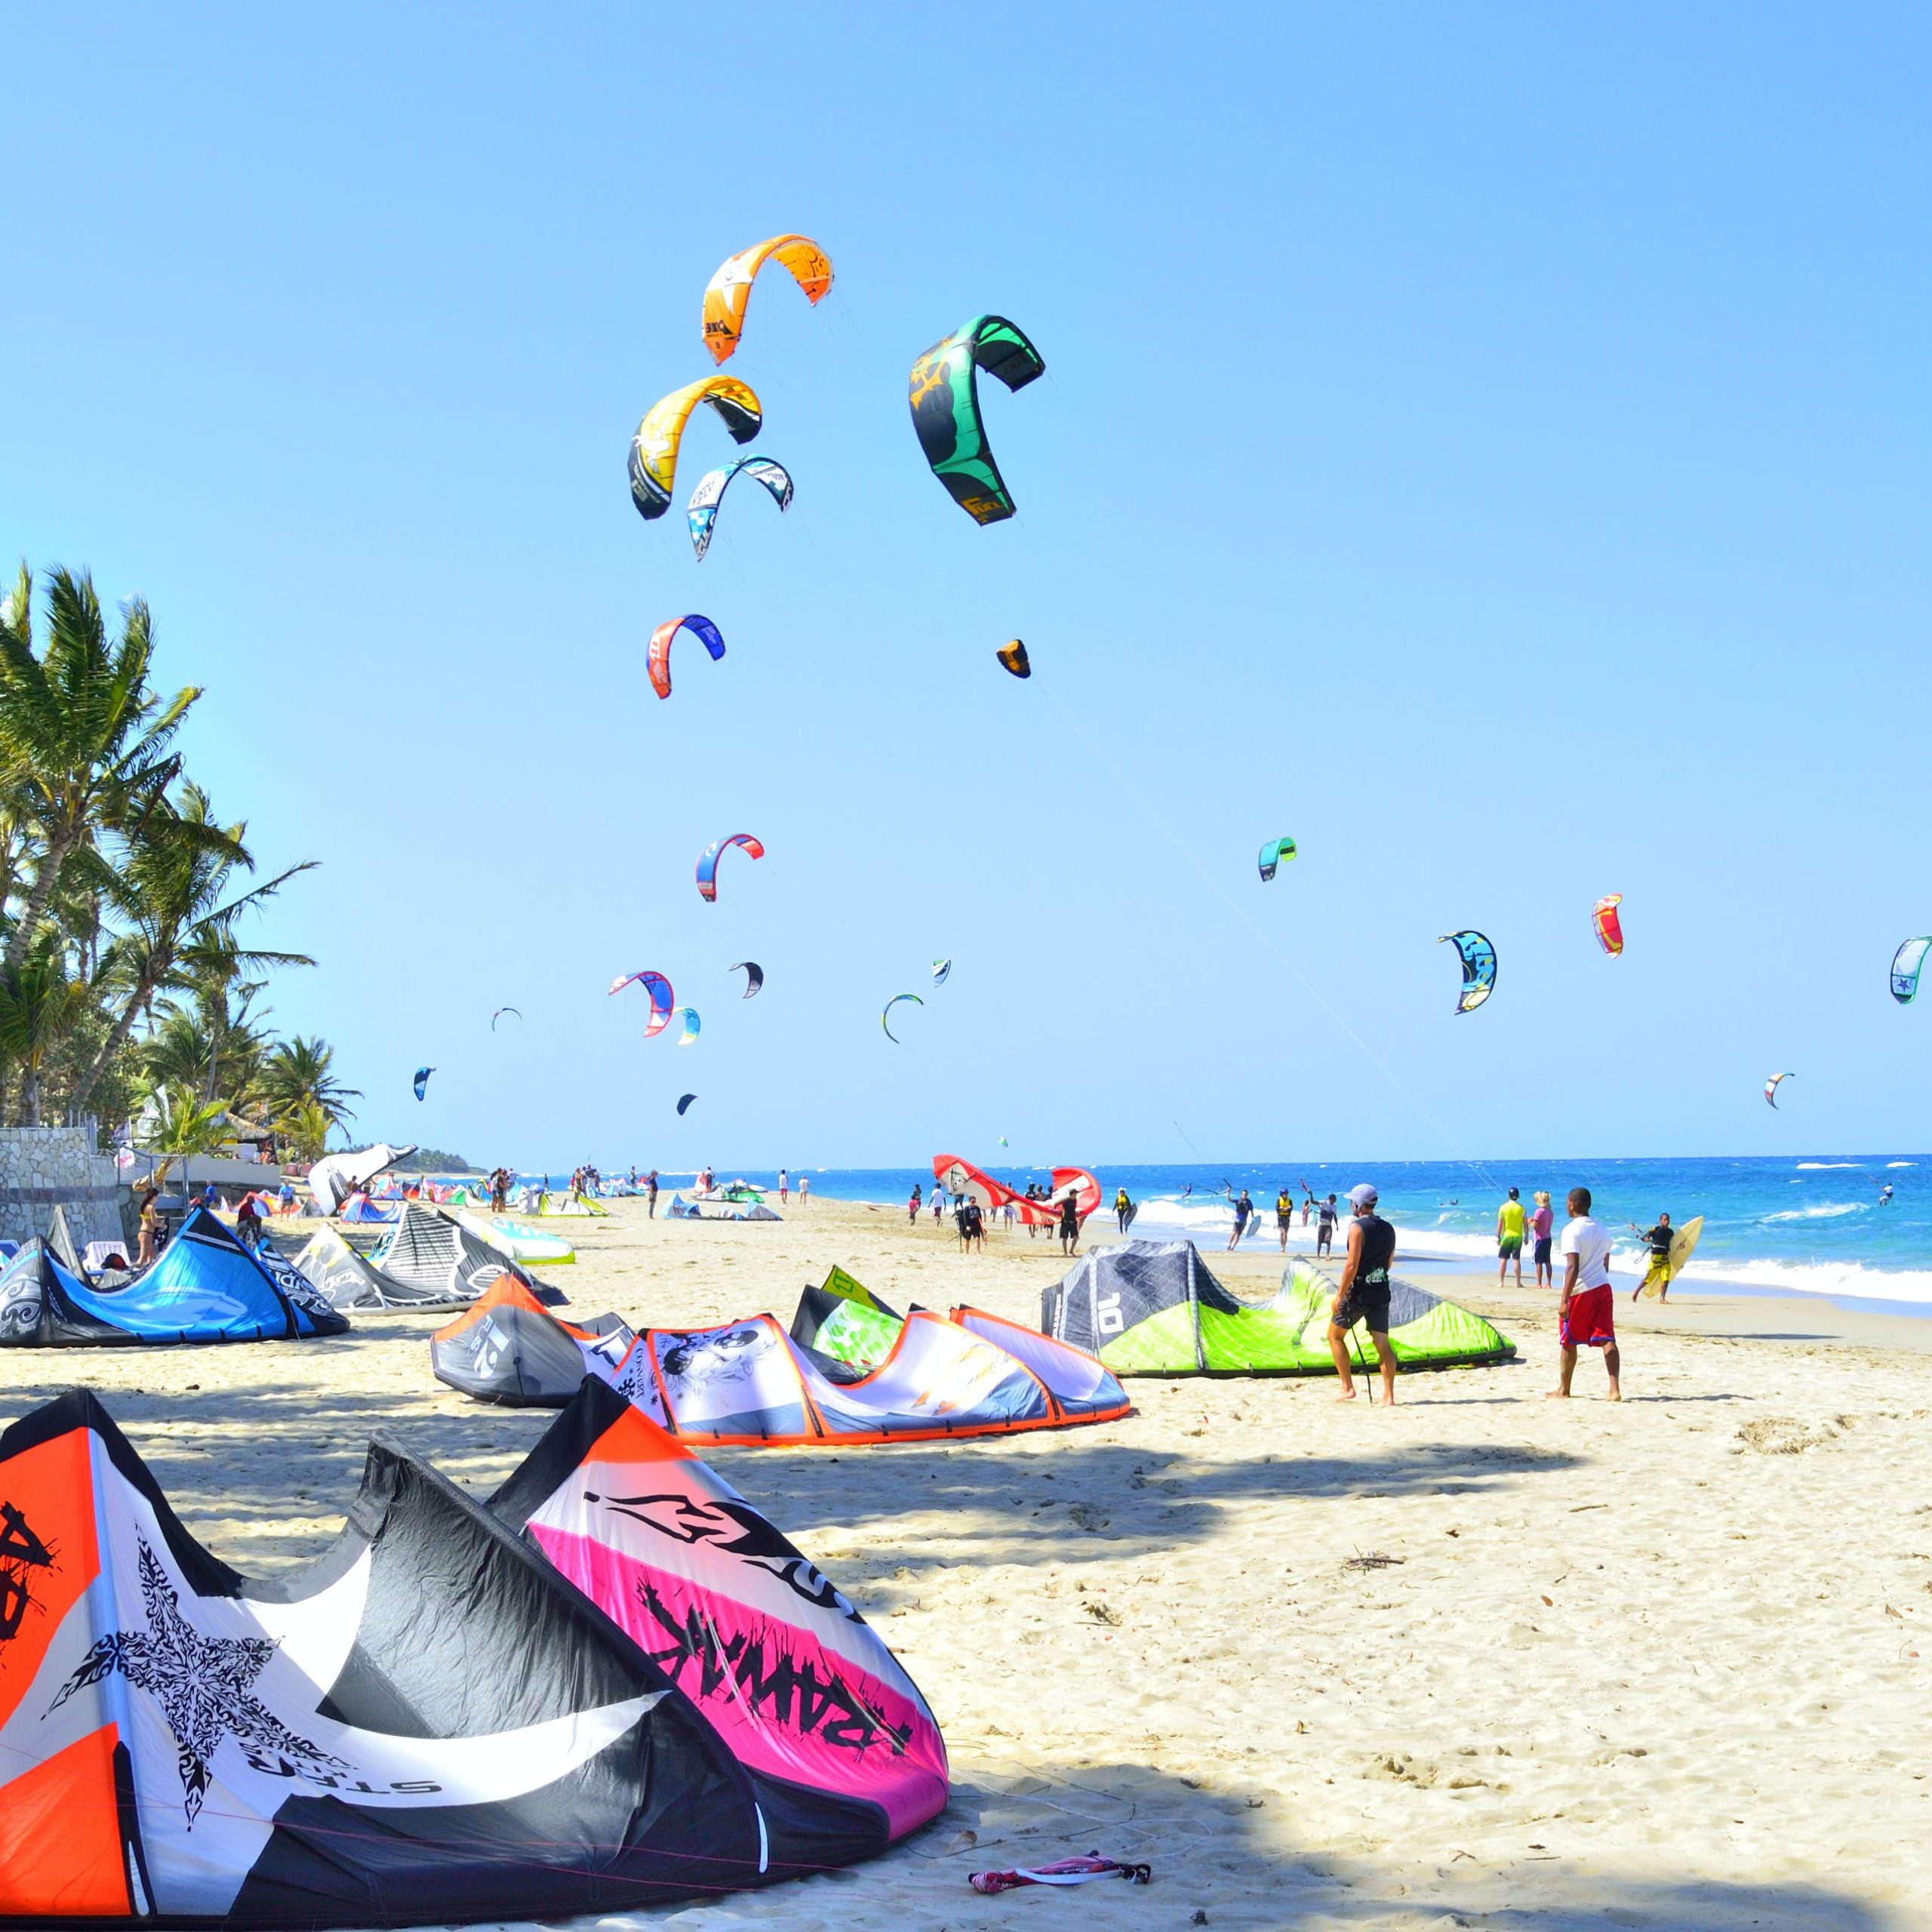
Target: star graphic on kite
column 203, row 1684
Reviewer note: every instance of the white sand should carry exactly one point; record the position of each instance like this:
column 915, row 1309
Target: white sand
column 1665, row 1664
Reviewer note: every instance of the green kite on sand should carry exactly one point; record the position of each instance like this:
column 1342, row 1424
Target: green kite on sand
column 1152, row 1308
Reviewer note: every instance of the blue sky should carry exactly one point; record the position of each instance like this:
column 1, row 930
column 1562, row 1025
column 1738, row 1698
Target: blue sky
column 1486, row 443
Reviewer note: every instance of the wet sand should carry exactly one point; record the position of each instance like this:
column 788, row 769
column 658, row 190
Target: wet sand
column 1483, row 1659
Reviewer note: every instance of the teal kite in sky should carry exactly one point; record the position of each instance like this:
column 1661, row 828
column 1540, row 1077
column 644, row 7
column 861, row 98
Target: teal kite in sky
column 944, row 392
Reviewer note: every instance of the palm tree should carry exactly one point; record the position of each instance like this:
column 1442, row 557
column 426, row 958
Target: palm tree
column 172, row 893
column 300, row 1074
column 39, row 1004
column 306, row 1126
column 84, row 743
column 184, row 1124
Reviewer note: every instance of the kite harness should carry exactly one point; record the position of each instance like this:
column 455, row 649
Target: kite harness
column 1066, row 1872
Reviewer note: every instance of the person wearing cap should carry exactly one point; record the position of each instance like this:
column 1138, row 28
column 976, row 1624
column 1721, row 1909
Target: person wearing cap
column 1364, row 1294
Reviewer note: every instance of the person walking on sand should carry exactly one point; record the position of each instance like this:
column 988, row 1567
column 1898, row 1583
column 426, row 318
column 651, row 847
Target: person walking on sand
column 1509, row 1238
column 1586, row 1313
column 784, row 1187
column 1123, row 1208
column 1284, row 1213
column 1244, row 1212
column 1363, row 1296
column 1659, row 1238
column 1070, row 1223
column 913, row 1207
column 1324, row 1228
column 1541, row 1223
column 804, row 1191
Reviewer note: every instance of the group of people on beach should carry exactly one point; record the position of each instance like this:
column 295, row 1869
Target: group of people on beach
column 969, row 1217
column 1247, row 1216
column 1586, row 1307
column 1513, row 1228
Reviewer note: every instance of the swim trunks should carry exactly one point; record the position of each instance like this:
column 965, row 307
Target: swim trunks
column 1367, row 1301
column 1591, row 1322
column 1509, row 1245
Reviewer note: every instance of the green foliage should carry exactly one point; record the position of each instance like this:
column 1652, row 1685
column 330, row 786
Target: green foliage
column 125, row 989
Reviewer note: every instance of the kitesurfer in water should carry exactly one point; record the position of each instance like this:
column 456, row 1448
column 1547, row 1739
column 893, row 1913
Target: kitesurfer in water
column 1885, row 1195
column 1364, row 1294
column 1658, row 1273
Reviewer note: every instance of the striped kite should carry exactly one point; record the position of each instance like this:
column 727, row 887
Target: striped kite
column 702, row 511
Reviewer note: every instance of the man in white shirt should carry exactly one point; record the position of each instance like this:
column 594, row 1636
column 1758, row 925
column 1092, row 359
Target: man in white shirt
column 1586, row 1312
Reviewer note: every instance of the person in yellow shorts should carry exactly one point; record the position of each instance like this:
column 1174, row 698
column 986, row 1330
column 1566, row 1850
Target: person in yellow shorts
column 1509, row 1238
column 1657, row 1275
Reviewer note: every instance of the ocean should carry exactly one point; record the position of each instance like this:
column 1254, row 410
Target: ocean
column 1809, row 1225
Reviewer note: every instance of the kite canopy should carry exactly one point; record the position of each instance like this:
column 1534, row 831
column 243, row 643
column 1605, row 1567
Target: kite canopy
column 657, row 658
column 846, row 1321
column 352, row 1284
column 1771, row 1087
column 1905, row 965
column 1609, row 926
column 940, row 969
column 421, row 1082
column 963, row 1180
column 336, row 1176
column 962, row 1375
column 661, row 996
column 729, row 291
column 777, row 1661
column 1013, row 655
column 449, row 1716
column 1152, row 1308
column 654, row 447
column 684, row 1102
column 1478, row 958
column 1272, row 853
column 432, row 1250
column 754, row 975
column 519, row 1240
column 885, row 1018
column 702, row 511
column 498, row 1014
column 944, row 392
column 507, row 1347
column 206, row 1287
column 707, row 862
column 688, row 1015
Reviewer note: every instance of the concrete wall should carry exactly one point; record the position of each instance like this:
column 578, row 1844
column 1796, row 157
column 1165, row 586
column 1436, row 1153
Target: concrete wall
column 40, row 1166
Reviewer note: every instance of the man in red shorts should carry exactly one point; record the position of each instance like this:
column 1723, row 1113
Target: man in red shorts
column 1586, row 1313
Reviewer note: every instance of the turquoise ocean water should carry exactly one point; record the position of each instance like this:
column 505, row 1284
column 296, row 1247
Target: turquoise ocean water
column 1812, row 1223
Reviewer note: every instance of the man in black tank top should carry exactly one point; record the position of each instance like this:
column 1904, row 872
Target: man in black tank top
column 1363, row 1295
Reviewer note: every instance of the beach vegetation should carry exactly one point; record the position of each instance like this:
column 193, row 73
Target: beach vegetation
column 127, row 992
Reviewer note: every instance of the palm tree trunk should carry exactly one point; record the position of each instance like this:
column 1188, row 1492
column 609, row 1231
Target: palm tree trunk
column 28, row 924
column 122, row 1027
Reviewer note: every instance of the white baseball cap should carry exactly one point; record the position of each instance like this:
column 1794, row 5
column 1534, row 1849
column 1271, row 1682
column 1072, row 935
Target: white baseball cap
column 1363, row 1195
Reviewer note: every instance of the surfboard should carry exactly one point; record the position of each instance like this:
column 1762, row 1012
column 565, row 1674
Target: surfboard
column 1682, row 1246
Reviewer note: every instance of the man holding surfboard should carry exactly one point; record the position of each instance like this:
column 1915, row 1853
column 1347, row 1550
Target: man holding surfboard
column 1657, row 1275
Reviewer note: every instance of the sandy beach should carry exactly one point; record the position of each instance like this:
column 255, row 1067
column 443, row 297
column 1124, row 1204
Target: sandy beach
column 1485, row 1660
